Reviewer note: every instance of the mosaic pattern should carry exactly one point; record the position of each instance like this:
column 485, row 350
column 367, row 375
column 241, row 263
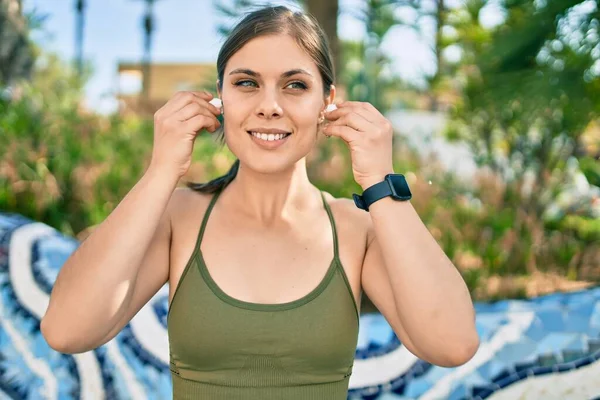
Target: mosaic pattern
column 544, row 348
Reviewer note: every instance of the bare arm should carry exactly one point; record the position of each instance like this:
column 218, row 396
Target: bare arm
column 115, row 271
column 125, row 261
column 406, row 272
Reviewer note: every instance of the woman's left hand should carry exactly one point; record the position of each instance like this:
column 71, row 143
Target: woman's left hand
column 368, row 135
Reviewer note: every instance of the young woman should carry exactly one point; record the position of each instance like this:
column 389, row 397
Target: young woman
column 265, row 270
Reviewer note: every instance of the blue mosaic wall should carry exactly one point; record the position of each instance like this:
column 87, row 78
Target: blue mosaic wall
column 548, row 347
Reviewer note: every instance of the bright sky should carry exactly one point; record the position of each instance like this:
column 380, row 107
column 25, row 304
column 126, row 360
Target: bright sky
column 185, row 32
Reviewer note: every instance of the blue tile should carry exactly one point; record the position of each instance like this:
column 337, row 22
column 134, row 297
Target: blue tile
column 509, row 380
column 392, row 396
column 524, row 366
column 380, row 331
column 436, row 373
column 536, row 330
column 490, row 369
column 416, row 388
column 484, row 391
column 594, row 345
column 563, row 367
column 542, row 371
column 525, row 373
column 582, row 362
column 580, row 343
column 458, row 393
column 548, row 359
column 555, row 342
column 514, row 352
column 579, row 316
column 552, row 320
column 474, row 379
column 503, row 374
column 595, row 318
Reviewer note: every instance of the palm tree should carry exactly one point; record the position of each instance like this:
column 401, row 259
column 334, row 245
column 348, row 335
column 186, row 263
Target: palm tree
column 79, row 31
column 148, row 26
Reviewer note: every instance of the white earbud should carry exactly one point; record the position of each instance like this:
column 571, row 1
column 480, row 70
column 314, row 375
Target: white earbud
column 330, row 107
column 216, row 102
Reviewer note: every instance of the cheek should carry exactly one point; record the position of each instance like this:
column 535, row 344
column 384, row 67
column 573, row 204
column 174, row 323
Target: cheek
column 234, row 115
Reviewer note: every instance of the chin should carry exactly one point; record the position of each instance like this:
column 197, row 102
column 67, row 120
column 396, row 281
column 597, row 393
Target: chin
column 270, row 164
column 267, row 157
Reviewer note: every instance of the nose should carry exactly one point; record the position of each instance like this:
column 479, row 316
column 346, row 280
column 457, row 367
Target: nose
column 268, row 105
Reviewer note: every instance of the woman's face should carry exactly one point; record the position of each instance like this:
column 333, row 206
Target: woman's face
column 272, row 99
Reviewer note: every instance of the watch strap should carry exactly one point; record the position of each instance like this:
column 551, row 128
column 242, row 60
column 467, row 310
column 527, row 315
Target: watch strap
column 373, row 193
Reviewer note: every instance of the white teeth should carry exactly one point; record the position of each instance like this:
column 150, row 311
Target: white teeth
column 268, row 136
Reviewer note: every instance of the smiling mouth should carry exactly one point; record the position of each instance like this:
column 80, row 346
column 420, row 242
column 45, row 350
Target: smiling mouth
column 270, row 137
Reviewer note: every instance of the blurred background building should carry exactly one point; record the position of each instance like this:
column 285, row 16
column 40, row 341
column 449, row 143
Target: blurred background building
column 164, row 80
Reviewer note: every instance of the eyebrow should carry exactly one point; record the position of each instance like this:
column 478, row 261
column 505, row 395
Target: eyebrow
column 256, row 74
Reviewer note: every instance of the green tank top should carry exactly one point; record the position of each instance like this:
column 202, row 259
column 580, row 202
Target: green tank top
column 222, row 348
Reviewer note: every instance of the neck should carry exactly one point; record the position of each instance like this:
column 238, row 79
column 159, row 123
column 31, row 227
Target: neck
column 269, row 198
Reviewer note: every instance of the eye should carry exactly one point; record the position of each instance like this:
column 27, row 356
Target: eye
column 299, row 85
column 244, row 82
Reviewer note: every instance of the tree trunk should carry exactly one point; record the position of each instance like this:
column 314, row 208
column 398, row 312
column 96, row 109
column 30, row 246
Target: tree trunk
column 437, row 49
column 326, row 12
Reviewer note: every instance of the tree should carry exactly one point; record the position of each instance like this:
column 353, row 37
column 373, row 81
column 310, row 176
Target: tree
column 80, row 6
column 148, row 26
column 531, row 90
column 17, row 54
column 327, row 12
column 366, row 69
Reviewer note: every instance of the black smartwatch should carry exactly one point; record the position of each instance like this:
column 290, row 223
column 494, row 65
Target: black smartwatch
column 393, row 185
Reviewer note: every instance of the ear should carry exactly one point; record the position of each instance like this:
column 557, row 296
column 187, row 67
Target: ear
column 218, row 89
column 331, row 96
column 328, row 100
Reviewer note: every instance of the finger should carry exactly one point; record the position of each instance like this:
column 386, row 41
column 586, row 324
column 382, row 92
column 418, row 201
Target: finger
column 354, row 121
column 176, row 103
column 201, row 121
column 182, row 99
column 342, row 111
column 346, row 133
column 207, row 97
column 364, row 105
column 191, row 110
column 203, row 94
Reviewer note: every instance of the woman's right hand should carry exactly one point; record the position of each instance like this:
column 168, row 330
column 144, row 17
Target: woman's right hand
column 176, row 125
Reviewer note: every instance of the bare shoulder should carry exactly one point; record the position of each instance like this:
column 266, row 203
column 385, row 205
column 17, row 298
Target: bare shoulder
column 185, row 200
column 348, row 215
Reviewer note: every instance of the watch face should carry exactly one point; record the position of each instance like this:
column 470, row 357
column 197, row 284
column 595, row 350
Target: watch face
column 400, row 189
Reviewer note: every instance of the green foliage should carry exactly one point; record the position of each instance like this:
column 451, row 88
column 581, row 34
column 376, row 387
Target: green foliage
column 528, row 98
column 63, row 166
column 591, row 169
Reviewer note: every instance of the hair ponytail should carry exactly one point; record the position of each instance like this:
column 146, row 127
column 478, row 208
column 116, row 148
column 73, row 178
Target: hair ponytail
column 216, row 184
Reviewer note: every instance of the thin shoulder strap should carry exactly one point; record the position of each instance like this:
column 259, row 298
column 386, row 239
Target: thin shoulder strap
column 205, row 219
column 333, row 228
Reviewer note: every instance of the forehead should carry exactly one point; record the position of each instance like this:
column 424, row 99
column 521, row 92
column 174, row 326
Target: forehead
column 272, row 54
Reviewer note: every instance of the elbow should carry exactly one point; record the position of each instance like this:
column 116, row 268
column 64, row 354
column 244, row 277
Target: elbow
column 462, row 353
column 55, row 340
column 58, row 340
